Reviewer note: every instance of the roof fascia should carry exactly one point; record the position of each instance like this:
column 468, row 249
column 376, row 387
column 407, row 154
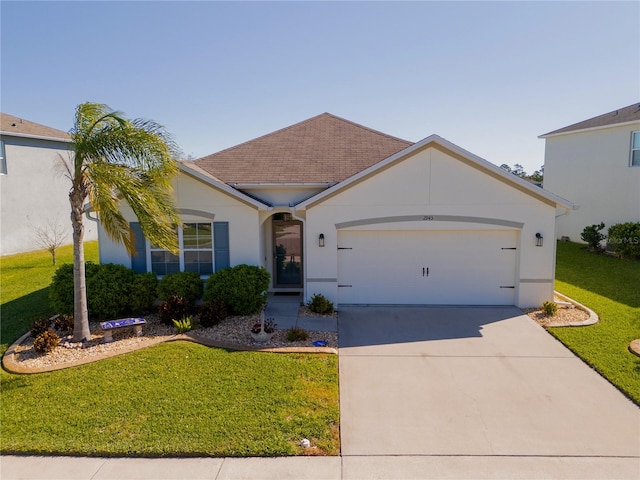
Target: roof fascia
column 224, row 188
column 449, row 148
column 590, row 129
column 284, row 185
column 36, row 137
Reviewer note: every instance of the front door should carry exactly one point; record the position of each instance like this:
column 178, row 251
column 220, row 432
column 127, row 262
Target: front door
column 287, row 253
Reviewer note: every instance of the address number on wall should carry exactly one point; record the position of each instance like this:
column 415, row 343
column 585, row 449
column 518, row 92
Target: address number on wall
column 427, row 217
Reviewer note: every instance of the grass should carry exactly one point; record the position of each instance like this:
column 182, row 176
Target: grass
column 610, row 287
column 24, row 282
column 175, row 399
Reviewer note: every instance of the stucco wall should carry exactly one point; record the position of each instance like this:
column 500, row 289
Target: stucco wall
column 244, row 237
column 34, row 192
column 432, row 183
column 591, row 169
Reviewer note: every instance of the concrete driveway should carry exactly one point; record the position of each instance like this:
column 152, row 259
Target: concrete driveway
column 481, row 381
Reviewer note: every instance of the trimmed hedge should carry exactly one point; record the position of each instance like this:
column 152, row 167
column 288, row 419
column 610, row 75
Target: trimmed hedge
column 112, row 290
column 182, row 284
column 242, row 288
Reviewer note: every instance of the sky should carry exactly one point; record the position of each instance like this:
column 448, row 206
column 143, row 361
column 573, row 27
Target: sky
column 488, row 76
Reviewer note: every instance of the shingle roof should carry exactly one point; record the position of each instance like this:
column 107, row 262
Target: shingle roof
column 18, row 126
column 322, row 149
column 622, row 115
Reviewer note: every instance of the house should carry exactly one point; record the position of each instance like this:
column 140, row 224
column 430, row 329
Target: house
column 34, row 190
column 596, row 164
column 335, row 208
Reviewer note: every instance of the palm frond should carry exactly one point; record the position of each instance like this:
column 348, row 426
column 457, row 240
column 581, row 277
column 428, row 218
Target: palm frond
column 134, row 160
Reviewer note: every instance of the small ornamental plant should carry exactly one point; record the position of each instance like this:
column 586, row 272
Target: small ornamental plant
column 269, row 326
column 174, row 307
column 212, row 313
column 184, row 325
column 550, row 308
column 40, row 326
column 295, row 334
column 320, row 304
column 46, row 341
column 63, row 324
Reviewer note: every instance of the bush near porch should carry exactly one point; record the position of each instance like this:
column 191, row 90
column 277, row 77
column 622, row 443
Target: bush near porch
column 610, row 287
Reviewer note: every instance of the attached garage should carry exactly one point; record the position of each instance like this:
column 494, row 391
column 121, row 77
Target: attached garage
column 431, row 225
column 439, row 267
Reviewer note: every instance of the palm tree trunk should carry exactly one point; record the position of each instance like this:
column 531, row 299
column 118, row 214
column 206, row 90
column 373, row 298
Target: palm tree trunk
column 80, row 314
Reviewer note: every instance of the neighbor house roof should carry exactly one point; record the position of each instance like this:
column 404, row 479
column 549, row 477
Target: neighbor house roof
column 622, row 115
column 322, row 149
column 16, row 126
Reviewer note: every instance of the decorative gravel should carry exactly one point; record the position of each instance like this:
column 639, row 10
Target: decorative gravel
column 233, row 330
column 566, row 314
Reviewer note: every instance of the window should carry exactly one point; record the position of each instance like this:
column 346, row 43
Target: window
column 635, row 149
column 197, row 244
column 163, row 261
column 3, row 159
column 196, row 252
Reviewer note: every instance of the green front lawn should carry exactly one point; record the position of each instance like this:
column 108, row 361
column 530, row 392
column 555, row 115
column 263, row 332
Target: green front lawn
column 173, row 399
column 610, row 287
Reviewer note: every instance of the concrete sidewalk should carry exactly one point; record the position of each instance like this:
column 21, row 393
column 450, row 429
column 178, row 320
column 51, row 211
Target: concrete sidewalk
column 319, row 468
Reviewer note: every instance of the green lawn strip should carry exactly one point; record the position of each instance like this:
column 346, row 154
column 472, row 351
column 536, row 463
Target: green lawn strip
column 24, row 280
column 178, row 399
column 611, row 287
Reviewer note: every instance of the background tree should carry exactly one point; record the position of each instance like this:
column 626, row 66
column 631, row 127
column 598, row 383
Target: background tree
column 518, row 170
column 116, row 159
column 50, row 236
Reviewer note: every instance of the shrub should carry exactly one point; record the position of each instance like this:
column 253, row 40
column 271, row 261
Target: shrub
column 212, row 313
column 143, row 293
column 61, row 289
column 109, row 288
column 550, row 308
column 63, row 324
column 46, row 341
column 182, row 284
column 184, row 325
column 174, row 308
column 624, row 238
column 320, row 304
column 39, row 326
column 295, row 334
column 242, row 288
column 593, row 237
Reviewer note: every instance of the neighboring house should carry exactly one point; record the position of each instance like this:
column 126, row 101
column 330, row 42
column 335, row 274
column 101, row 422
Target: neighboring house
column 34, row 191
column 331, row 207
column 596, row 164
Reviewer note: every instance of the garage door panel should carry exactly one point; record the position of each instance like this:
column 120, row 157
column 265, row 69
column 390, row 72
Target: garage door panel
column 427, row 267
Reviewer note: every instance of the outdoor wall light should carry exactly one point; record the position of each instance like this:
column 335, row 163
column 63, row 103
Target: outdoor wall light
column 321, row 240
column 539, row 239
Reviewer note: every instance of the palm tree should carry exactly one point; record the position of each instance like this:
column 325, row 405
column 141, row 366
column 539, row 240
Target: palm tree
column 116, row 159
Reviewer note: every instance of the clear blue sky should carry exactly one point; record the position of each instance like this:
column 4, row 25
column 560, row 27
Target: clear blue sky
column 488, row 76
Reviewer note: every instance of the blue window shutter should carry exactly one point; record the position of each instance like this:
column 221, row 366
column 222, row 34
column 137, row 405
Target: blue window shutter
column 221, row 245
column 139, row 259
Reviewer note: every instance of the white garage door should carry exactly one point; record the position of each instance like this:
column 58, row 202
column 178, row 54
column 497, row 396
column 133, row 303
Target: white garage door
column 427, row 267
